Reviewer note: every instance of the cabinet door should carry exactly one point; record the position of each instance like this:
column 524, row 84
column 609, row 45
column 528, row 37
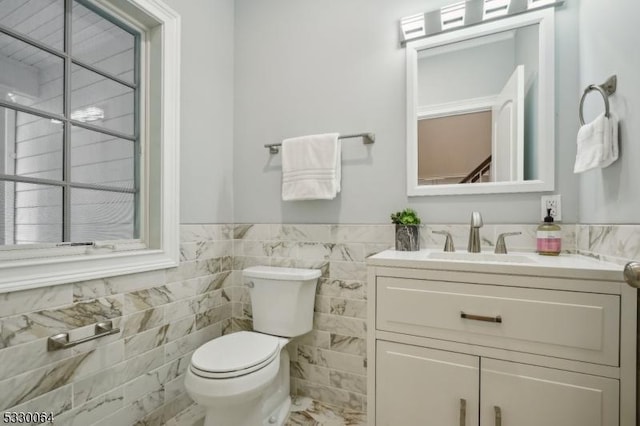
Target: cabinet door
column 425, row 387
column 533, row 396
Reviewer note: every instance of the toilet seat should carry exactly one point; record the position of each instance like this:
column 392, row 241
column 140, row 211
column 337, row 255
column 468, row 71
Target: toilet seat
column 235, row 355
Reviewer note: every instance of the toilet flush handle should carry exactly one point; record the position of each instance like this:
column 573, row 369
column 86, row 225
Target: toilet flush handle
column 249, row 284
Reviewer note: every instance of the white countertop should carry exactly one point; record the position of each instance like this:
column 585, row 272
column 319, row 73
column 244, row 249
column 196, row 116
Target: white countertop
column 516, row 263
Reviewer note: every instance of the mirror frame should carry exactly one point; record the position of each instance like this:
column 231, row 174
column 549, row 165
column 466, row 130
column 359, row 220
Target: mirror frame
column 545, row 147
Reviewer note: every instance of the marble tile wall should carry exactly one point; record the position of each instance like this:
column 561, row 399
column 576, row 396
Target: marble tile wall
column 613, row 243
column 137, row 375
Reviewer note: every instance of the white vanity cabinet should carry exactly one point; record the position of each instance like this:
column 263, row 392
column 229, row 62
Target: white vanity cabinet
column 421, row 386
column 459, row 343
column 526, row 395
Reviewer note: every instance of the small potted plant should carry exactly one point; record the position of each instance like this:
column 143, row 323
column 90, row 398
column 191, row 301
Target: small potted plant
column 407, row 230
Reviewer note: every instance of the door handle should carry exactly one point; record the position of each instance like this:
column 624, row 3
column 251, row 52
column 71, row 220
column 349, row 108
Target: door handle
column 498, row 414
column 463, row 412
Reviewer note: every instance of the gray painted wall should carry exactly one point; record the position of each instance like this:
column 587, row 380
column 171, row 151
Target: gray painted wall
column 474, row 72
column 609, row 45
column 206, row 192
column 303, row 67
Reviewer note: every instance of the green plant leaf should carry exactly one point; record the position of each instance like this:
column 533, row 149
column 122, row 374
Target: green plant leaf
column 405, row 217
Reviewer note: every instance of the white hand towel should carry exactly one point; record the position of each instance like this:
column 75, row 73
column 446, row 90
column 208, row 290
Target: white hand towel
column 597, row 144
column 311, row 168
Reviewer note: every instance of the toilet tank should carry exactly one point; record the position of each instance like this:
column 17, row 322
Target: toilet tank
column 282, row 299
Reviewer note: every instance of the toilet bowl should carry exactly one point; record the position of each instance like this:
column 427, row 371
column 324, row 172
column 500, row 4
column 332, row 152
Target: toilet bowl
column 242, row 379
column 229, row 375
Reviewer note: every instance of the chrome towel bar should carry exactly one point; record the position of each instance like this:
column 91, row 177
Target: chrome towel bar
column 606, row 89
column 61, row 340
column 367, row 139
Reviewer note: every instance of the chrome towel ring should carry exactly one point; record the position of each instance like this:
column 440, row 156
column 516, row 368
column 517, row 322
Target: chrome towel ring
column 606, row 89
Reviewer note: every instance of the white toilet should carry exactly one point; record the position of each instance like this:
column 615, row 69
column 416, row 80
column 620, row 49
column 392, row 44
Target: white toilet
column 243, row 378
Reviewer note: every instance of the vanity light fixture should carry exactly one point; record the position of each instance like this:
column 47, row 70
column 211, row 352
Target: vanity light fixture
column 494, row 8
column 453, row 16
column 464, row 14
column 413, row 26
column 532, row 4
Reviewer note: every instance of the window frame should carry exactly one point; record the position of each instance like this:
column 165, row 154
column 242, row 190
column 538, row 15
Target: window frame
column 159, row 132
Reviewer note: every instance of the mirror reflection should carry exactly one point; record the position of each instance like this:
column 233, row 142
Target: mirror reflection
column 477, row 103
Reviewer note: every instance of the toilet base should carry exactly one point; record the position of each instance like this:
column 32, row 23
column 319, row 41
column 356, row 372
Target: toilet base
column 270, row 407
column 231, row 416
column 279, row 415
column 276, row 405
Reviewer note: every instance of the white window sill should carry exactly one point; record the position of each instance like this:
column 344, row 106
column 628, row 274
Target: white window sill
column 29, row 274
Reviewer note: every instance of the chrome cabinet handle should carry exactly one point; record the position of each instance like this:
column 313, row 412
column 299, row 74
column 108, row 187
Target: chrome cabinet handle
column 463, row 412
column 498, row 413
column 497, row 319
column 632, row 274
column 61, row 340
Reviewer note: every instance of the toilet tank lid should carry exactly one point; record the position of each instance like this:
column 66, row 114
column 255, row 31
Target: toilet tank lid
column 278, row 273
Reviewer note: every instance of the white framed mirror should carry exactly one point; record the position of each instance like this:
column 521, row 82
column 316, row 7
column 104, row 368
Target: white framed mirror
column 480, row 108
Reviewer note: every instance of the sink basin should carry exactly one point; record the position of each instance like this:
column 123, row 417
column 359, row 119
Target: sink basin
column 481, row 257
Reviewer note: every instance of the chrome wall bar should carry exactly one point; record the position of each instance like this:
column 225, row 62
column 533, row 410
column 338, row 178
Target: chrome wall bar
column 367, row 139
column 61, row 340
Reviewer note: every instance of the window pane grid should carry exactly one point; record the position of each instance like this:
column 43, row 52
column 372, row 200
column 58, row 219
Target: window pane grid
column 14, row 178
column 69, row 121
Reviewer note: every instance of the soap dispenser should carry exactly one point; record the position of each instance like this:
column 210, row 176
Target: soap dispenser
column 549, row 240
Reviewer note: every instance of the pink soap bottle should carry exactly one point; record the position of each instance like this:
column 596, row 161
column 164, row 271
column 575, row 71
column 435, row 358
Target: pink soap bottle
column 549, row 240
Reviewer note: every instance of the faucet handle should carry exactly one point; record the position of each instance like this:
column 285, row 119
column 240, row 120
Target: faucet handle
column 448, row 244
column 476, row 220
column 501, row 247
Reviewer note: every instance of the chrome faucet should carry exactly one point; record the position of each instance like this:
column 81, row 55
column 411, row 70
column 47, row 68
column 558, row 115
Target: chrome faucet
column 474, row 233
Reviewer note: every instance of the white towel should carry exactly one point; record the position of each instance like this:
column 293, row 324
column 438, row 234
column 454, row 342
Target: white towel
column 597, row 144
column 311, row 167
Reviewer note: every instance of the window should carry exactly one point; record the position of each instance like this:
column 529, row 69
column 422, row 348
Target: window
column 88, row 139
